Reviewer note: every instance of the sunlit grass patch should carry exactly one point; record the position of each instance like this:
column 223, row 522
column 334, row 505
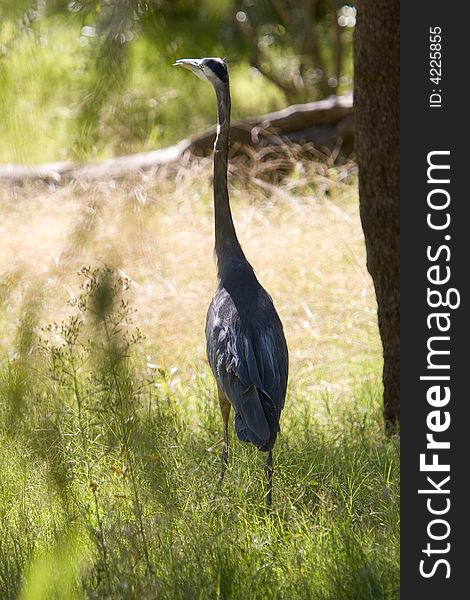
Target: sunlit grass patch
column 303, row 239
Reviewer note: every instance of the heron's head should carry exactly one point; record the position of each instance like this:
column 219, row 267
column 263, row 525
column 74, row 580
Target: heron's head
column 212, row 70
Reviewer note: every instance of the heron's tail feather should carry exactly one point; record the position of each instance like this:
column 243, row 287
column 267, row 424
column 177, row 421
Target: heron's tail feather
column 256, row 420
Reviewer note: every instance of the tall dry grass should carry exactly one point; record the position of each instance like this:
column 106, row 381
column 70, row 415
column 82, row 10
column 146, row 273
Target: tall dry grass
column 303, row 238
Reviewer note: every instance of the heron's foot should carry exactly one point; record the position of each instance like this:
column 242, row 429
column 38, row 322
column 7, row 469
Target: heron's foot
column 224, row 465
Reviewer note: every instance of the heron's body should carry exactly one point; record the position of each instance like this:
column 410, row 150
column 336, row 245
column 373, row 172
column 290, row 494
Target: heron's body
column 247, row 353
column 245, row 342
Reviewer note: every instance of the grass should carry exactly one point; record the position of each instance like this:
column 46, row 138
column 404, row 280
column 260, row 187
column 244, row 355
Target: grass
column 110, row 433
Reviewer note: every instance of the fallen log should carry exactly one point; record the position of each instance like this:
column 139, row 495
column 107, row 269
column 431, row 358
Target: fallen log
column 321, row 123
column 325, row 124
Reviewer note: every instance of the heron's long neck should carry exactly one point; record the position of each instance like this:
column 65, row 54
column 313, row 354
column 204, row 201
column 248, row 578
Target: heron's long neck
column 227, row 246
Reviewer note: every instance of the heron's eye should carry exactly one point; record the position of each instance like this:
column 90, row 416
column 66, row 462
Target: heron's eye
column 203, row 66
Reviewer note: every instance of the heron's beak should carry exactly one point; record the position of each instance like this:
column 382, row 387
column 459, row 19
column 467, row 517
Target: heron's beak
column 188, row 63
column 192, row 64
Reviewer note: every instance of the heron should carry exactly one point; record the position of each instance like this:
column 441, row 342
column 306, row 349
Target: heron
column 245, row 342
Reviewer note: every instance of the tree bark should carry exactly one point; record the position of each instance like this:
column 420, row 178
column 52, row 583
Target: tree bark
column 377, row 105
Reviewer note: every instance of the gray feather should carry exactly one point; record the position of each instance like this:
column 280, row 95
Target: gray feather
column 248, row 354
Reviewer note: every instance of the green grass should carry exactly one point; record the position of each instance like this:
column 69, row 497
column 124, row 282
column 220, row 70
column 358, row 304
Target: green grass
column 109, row 468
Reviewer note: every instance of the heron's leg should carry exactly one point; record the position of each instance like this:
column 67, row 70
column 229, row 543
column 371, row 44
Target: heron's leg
column 225, row 410
column 268, row 472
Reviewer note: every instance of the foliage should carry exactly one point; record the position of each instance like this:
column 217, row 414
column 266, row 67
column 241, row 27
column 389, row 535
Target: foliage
column 301, row 46
column 92, row 78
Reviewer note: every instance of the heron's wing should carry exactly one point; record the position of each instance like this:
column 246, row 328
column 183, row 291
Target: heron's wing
column 251, row 423
column 247, row 369
column 263, row 362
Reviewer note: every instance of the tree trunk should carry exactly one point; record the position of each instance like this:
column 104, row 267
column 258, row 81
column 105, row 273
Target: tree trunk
column 377, row 105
